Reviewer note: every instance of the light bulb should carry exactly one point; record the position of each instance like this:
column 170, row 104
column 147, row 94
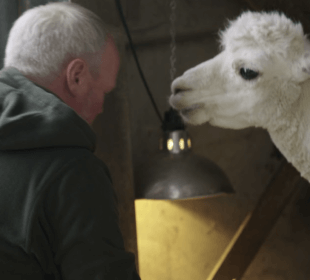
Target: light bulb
column 170, row 144
column 182, row 144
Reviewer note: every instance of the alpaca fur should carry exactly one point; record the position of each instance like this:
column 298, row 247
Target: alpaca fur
column 278, row 99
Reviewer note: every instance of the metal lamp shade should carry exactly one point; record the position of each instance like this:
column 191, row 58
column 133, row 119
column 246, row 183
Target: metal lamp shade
column 177, row 173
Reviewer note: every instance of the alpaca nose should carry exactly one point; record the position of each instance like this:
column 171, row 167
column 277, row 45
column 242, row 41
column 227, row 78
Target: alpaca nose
column 178, row 90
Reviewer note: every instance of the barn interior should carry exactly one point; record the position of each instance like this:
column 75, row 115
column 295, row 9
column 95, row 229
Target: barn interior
column 194, row 238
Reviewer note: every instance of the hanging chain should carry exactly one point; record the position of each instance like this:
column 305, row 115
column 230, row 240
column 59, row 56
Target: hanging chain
column 173, row 5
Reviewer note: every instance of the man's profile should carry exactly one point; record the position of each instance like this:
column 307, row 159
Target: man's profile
column 58, row 214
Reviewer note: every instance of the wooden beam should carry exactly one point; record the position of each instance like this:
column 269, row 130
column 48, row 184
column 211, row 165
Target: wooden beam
column 253, row 5
column 154, row 41
column 133, row 10
column 257, row 225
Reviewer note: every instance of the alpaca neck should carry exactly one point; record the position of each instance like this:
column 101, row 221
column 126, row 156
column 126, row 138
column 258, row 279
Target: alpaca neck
column 291, row 133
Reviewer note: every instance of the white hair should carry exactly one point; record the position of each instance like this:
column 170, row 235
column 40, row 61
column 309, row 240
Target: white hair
column 45, row 38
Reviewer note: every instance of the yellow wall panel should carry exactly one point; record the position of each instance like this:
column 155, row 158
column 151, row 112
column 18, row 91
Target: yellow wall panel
column 175, row 242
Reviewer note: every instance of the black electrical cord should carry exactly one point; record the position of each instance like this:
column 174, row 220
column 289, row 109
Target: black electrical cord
column 119, row 6
column 172, row 120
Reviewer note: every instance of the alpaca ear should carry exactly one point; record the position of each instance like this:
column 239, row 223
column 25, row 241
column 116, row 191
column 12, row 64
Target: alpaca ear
column 302, row 68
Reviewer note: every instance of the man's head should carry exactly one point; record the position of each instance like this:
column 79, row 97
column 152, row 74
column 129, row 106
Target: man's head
column 65, row 48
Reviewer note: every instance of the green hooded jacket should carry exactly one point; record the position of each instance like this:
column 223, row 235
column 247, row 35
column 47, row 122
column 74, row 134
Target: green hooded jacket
column 58, row 211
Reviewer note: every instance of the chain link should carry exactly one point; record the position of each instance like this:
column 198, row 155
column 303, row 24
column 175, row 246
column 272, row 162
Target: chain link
column 173, row 5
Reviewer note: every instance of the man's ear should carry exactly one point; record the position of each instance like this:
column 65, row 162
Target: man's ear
column 77, row 77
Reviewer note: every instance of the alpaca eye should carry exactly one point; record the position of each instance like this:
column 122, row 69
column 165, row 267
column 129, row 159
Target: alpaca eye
column 248, row 74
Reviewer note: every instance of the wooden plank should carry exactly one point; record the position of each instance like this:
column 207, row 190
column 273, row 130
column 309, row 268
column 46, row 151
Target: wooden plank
column 257, row 225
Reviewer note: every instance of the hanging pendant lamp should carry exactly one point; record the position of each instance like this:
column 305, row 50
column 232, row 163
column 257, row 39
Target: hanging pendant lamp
column 175, row 172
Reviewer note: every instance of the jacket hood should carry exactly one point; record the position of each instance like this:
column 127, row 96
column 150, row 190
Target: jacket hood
column 31, row 117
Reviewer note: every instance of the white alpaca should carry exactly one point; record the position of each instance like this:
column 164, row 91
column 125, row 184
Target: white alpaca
column 261, row 78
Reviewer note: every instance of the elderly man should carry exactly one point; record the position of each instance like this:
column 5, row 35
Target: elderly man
column 58, row 215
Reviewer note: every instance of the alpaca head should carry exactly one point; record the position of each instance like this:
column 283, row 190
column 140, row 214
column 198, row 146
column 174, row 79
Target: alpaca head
column 257, row 77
